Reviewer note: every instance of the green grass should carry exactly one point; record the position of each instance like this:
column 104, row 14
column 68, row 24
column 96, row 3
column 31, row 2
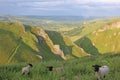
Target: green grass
column 82, row 69
column 33, row 43
column 69, row 48
column 107, row 41
column 85, row 29
column 14, row 44
column 98, row 40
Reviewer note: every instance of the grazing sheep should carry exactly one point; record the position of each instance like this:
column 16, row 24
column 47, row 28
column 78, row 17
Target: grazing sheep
column 57, row 69
column 50, row 68
column 101, row 71
column 26, row 70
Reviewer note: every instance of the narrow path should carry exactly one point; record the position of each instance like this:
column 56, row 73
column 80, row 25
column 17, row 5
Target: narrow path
column 14, row 52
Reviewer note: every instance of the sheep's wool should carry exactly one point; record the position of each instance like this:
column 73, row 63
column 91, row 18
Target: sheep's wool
column 26, row 70
column 103, row 70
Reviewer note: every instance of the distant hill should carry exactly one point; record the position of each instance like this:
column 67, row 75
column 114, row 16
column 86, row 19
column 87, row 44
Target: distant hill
column 53, row 18
column 103, row 38
column 24, row 43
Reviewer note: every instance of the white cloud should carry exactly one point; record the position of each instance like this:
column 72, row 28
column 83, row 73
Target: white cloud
column 41, row 4
column 108, row 1
column 51, row 9
column 68, row 6
column 89, row 1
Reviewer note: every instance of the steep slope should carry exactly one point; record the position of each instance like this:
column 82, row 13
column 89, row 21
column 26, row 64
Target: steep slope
column 12, row 46
column 83, row 30
column 88, row 27
column 24, row 43
column 106, row 39
column 46, row 41
column 60, row 44
column 66, row 45
column 102, row 40
column 18, row 44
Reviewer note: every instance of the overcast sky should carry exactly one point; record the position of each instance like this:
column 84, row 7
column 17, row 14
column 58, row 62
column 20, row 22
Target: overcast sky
column 60, row 7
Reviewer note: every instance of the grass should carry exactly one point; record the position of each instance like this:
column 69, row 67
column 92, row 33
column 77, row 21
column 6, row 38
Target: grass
column 83, row 30
column 97, row 38
column 82, row 69
column 14, row 44
column 106, row 41
column 68, row 47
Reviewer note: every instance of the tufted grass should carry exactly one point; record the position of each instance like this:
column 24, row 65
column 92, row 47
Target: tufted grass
column 76, row 69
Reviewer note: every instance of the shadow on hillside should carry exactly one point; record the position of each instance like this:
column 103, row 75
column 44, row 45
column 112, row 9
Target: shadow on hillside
column 57, row 38
column 88, row 46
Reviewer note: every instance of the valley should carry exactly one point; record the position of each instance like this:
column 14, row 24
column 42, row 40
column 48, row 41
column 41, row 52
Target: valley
column 73, row 44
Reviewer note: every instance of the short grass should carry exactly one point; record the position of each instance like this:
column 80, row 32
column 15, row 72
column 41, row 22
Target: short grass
column 76, row 69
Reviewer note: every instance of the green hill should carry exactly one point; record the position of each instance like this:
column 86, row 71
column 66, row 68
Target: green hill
column 104, row 39
column 24, row 43
column 67, row 46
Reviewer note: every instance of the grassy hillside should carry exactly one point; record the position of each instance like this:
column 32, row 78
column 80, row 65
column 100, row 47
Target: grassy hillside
column 105, row 39
column 33, row 44
column 69, row 48
column 82, row 69
column 24, row 43
column 13, row 47
column 83, row 30
column 61, row 44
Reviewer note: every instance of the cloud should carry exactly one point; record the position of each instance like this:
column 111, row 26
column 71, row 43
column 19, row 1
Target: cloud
column 91, row 1
column 41, row 3
column 76, row 7
column 108, row 1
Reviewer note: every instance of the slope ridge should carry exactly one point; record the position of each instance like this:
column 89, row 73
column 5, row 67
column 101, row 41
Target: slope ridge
column 105, row 39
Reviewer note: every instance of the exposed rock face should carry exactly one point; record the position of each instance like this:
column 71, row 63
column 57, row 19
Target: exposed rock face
column 115, row 25
column 54, row 48
column 58, row 51
column 109, row 27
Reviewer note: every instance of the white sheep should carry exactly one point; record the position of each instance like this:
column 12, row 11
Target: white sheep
column 26, row 70
column 101, row 71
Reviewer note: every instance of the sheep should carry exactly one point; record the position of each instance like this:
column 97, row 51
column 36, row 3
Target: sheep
column 26, row 70
column 50, row 68
column 101, row 71
column 57, row 69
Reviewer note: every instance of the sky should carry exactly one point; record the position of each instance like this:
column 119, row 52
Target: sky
column 60, row 7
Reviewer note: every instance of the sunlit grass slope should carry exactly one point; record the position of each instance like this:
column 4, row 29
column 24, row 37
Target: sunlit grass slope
column 13, row 48
column 69, row 48
column 19, row 44
column 83, row 30
column 105, row 39
column 25, row 43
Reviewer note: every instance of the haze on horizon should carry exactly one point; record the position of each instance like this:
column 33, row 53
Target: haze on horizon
column 60, row 7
